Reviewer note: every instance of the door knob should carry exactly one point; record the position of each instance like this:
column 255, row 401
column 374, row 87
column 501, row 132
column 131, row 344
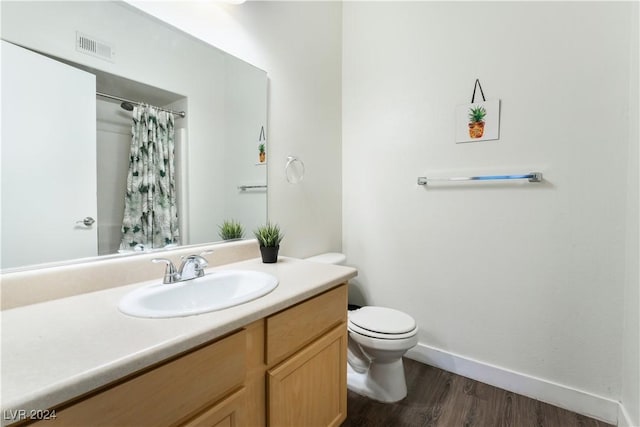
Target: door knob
column 88, row 221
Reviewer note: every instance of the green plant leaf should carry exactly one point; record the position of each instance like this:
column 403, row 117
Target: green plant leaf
column 269, row 235
column 477, row 114
column 231, row 229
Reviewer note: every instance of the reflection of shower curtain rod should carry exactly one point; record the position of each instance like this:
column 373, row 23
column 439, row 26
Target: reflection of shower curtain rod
column 117, row 98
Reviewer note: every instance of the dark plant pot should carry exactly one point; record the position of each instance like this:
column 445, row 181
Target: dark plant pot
column 269, row 254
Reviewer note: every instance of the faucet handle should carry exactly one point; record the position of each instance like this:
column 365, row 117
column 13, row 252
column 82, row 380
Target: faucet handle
column 170, row 273
column 192, row 266
column 200, row 263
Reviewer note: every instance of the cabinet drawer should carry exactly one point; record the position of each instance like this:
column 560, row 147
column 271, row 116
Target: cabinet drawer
column 291, row 329
column 166, row 394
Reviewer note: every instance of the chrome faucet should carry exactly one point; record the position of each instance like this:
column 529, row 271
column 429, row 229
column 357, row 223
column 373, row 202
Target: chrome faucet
column 192, row 267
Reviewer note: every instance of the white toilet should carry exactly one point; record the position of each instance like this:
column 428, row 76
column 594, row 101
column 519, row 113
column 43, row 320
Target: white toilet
column 378, row 338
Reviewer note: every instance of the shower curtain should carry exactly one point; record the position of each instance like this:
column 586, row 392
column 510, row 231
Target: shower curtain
column 150, row 213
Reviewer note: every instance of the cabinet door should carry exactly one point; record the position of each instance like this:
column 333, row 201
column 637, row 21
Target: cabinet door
column 315, row 379
column 228, row 413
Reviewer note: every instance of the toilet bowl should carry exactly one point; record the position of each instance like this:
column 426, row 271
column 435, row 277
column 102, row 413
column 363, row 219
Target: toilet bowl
column 378, row 338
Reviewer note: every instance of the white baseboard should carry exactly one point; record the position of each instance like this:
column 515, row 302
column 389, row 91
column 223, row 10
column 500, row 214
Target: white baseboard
column 559, row 395
column 624, row 419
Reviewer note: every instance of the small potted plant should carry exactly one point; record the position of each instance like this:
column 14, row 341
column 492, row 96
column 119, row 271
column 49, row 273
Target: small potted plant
column 230, row 230
column 269, row 237
column 262, row 153
column 476, row 121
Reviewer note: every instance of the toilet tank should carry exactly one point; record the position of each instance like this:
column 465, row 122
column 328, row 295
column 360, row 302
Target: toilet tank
column 329, row 258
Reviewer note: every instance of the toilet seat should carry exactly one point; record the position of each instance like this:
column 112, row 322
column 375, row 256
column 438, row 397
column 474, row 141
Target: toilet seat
column 379, row 335
column 382, row 323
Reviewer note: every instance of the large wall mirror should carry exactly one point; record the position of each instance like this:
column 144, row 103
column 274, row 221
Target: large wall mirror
column 53, row 55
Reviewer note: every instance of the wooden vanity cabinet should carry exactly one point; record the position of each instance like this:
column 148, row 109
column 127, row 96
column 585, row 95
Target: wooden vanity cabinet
column 288, row 369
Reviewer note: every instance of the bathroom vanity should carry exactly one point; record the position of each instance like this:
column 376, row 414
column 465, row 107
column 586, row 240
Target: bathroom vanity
column 278, row 360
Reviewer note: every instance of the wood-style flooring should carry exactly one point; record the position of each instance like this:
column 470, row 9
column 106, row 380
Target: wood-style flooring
column 438, row 398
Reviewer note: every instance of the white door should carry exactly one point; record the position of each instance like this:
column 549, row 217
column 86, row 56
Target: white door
column 48, row 156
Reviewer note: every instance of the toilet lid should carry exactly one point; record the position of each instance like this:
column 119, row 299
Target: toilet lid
column 382, row 320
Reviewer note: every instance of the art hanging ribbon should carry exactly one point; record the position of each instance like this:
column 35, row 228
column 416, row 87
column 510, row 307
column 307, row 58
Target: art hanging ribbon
column 475, row 86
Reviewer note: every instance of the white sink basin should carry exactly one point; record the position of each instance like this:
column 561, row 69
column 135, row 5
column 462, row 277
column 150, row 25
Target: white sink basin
column 214, row 291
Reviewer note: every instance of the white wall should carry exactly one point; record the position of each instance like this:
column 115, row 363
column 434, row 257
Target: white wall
column 299, row 45
column 525, row 277
column 630, row 397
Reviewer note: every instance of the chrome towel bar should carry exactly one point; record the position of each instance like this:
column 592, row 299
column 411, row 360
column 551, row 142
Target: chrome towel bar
column 531, row 176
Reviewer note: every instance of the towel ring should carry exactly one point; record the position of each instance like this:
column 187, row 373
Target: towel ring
column 294, row 170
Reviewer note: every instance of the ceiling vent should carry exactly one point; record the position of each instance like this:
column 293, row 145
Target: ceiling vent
column 94, row 47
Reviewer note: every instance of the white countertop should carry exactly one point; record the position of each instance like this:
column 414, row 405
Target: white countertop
column 57, row 350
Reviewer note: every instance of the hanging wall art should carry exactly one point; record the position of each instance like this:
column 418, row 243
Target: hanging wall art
column 478, row 121
column 262, row 149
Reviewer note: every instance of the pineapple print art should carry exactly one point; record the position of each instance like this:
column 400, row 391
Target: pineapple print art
column 476, row 121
